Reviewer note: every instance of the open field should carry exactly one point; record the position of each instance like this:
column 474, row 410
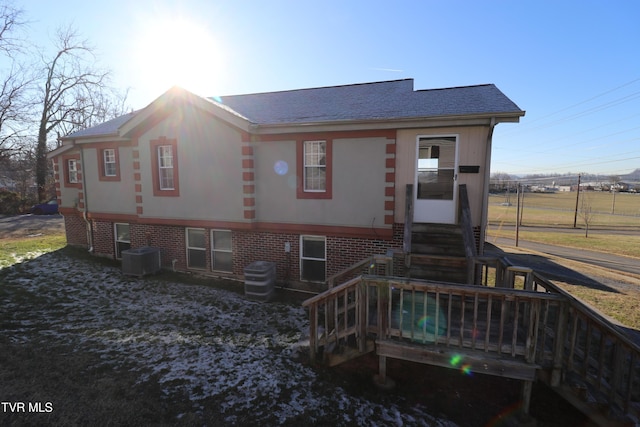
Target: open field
column 554, row 214
column 559, row 209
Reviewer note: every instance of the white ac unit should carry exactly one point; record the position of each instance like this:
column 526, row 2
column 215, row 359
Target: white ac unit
column 141, row 261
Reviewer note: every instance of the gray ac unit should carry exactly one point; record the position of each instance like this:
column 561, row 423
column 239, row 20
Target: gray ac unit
column 141, row 261
column 259, row 280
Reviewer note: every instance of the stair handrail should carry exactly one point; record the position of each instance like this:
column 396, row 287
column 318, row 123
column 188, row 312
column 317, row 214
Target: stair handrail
column 408, row 219
column 470, row 246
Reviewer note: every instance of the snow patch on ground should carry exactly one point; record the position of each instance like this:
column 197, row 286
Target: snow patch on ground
column 215, row 346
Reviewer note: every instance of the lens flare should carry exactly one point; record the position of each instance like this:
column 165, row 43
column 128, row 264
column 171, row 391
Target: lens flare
column 455, row 360
column 425, row 322
column 281, row 167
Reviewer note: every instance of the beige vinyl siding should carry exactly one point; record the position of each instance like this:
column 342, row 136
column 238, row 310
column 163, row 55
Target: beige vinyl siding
column 209, row 167
column 115, row 197
column 472, row 143
column 358, row 185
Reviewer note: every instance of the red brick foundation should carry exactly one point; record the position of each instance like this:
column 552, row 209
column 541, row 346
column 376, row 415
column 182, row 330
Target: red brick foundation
column 76, row 230
column 248, row 246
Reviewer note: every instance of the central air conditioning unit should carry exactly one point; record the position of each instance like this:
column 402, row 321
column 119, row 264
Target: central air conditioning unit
column 141, row 261
column 259, row 280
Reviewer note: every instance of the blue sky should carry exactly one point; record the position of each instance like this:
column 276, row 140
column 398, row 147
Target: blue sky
column 573, row 66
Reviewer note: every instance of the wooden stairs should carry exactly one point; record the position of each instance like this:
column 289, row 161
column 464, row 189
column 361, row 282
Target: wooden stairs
column 438, row 253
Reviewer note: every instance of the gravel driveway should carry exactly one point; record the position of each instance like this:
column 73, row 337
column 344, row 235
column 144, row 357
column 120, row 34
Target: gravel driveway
column 30, row 225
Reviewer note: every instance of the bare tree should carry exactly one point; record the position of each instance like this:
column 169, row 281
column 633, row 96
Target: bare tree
column 586, row 213
column 100, row 106
column 14, row 83
column 11, row 22
column 14, row 111
column 70, row 78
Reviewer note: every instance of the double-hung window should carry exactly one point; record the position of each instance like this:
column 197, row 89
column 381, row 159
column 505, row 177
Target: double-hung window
column 72, row 169
column 314, row 169
column 108, row 162
column 196, row 248
column 221, row 250
column 165, row 167
column 122, row 238
column 109, row 158
column 315, row 166
column 313, row 258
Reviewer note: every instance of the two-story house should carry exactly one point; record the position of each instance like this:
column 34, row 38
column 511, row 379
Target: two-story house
column 312, row 179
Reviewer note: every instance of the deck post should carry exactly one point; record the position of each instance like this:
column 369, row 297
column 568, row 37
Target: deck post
column 558, row 350
column 313, row 332
column 527, row 388
column 362, row 315
column 382, row 370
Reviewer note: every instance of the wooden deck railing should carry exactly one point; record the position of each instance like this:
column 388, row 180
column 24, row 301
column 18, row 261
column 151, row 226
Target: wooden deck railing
column 570, row 345
column 596, row 358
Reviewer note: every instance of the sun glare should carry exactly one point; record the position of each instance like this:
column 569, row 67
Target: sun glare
column 177, row 52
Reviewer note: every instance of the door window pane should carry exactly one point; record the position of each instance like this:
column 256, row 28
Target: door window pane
column 436, row 168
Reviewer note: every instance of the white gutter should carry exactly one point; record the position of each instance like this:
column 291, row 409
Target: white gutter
column 86, row 203
column 484, row 220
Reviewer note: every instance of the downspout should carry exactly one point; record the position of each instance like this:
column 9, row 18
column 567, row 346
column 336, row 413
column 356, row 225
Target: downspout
column 484, row 220
column 86, row 203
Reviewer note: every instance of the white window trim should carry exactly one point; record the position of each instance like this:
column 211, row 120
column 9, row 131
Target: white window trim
column 324, row 238
column 72, row 166
column 161, row 168
column 106, row 161
column 115, row 237
column 305, row 166
column 188, row 248
column 213, row 249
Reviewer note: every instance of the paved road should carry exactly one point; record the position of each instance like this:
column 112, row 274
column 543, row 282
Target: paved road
column 600, row 259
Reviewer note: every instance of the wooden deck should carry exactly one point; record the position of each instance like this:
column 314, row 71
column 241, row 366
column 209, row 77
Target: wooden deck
column 537, row 334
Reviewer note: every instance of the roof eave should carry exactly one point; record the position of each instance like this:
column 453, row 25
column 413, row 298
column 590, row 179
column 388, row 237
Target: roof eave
column 60, row 150
column 484, row 119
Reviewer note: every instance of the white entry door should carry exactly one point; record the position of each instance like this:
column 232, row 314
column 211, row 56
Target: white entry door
column 436, row 192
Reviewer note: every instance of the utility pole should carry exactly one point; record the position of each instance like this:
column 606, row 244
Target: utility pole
column 575, row 216
column 517, row 213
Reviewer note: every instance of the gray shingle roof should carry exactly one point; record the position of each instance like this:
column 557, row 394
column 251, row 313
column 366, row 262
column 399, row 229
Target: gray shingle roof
column 368, row 101
column 387, row 100
column 107, row 128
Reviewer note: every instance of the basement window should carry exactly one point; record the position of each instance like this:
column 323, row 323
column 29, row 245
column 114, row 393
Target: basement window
column 196, row 248
column 221, row 251
column 313, row 258
column 122, row 238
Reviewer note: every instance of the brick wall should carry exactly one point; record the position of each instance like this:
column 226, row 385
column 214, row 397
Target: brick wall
column 171, row 241
column 76, row 230
column 248, row 246
column 103, row 239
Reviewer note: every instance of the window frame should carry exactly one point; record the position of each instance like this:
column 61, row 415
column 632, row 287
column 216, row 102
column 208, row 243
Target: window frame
column 66, row 162
column 196, row 248
column 156, row 169
column 303, row 257
column 72, row 170
column 214, row 250
column 102, row 164
column 117, row 250
column 302, row 192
